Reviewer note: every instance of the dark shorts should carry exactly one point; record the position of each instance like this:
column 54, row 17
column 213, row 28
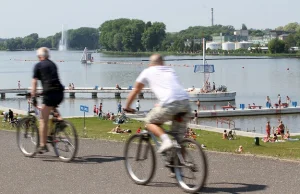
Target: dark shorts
column 281, row 131
column 53, row 99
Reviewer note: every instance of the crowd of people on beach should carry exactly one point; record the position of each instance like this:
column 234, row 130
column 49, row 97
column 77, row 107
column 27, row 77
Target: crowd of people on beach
column 207, row 87
column 279, row 102
column 280, row 131
column 71, row 86
column 98, row 111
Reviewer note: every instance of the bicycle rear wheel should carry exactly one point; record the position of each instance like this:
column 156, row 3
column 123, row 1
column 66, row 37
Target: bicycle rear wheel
column 140, row 160
column 27, row 136
column 65, row 141
column 191, row 174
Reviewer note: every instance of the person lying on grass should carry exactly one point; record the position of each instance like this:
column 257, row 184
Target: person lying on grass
column 119, row 130
column 190, row 134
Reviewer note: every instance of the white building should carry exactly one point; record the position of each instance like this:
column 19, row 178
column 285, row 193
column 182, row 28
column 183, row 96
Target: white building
column 228, row 46
column 243, row 45
column 213, row 46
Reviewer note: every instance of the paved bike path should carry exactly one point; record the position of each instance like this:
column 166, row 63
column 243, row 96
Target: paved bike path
column 99, row 168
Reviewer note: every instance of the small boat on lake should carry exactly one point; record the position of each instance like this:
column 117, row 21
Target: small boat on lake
column 86, row 57
column 209, row 93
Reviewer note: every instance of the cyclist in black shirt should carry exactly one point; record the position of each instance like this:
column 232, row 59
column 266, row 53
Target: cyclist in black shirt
column 46, row 72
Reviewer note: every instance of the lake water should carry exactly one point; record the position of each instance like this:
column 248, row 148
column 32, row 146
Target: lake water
column 252, row 79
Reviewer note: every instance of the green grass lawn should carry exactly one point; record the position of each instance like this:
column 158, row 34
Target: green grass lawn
column 99, row 129
column 290, row 150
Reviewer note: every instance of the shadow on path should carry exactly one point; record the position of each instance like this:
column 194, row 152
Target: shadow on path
column 224, row 187
column 234, row 188
column 93, row 159
column 162, row 184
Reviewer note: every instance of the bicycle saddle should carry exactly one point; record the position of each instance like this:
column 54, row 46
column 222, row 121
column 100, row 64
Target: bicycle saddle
column 178, row 117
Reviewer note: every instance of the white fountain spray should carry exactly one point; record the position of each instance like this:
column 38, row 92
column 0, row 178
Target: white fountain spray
column 63, row 40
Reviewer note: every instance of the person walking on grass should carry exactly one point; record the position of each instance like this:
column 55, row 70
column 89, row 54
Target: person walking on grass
column 19, row 85
column 268, row 129
column 119, row 107
column 198, row 104
column 138, row 105
column 195, row 117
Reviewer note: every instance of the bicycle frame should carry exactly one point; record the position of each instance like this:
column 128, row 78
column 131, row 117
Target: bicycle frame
column 157, row 145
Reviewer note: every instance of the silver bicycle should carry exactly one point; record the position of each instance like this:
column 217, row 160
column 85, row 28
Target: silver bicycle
column 187, row 162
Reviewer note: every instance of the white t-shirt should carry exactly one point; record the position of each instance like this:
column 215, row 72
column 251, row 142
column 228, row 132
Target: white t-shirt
column 138, row 105
column 164, row 83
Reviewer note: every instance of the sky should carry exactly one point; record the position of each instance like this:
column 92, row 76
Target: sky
column 22, row 17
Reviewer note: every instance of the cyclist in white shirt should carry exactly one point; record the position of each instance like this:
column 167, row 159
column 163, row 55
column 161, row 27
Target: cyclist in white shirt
column 173, row 100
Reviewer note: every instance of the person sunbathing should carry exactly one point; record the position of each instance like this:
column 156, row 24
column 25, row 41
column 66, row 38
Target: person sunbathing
column 266, row 139
column 117, row 129
column 287, row 135
column 112, row 117
column 274, row 138
column 192, row 134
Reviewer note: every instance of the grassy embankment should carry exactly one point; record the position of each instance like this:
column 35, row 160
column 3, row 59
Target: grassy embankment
column 98, row 129
column 165, row 53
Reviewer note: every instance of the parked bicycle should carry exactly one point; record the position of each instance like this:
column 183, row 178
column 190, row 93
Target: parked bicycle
column 63, row 136
column 10, row 124
column 187, row 162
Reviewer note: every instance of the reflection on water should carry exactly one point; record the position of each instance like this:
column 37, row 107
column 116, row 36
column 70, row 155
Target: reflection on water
column 253, row 80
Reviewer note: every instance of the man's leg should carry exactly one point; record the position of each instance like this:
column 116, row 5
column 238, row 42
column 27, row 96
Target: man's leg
column 154, row 119
column 45, row 111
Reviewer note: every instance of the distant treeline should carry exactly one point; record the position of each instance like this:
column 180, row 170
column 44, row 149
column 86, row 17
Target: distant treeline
column 77, row 39
column 133, row 35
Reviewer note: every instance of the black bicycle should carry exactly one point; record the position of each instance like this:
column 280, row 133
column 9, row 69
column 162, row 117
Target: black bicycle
column 187, row 162
column 63, row 137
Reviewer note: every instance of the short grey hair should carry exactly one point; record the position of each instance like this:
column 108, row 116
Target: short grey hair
column 156, row 59
column 43, row 52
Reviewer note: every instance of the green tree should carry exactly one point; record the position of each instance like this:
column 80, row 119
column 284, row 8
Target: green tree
column 244, row 27
column 153, row 36
column 83, row 37
column 55, row 40
column 117, row 43
column 29, row 43
column 108, row 30
column 276, row 46
column 291, row 27
column 280, row 28
column 44, row 42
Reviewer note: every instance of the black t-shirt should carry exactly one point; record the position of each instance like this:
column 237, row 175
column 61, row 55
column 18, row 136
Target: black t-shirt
column 46, row 72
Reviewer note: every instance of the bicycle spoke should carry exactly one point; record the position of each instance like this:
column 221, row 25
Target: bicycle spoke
column 139, row 159
column 65, row 142
column 192, row 170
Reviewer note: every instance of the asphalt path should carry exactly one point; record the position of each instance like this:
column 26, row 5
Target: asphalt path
column 99, row 168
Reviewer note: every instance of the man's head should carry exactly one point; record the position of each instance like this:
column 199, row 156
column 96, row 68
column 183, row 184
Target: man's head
column 43, row 53
column 156, row 60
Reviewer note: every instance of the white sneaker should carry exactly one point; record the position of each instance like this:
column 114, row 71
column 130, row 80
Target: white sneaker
column 165, row 146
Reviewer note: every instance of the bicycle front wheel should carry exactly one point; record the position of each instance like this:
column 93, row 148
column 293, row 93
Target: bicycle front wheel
column 65, row 141
column 27, row 136
column 140, row 161
column 191, row 170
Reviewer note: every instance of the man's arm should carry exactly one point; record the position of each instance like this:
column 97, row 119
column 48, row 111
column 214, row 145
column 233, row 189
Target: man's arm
column 34, row 86
column 137, row 89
